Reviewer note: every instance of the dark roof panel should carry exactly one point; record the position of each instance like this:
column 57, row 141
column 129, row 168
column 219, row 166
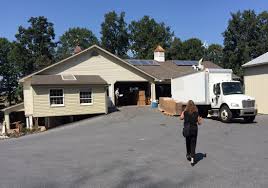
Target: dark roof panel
column 139, row 62
column 168, row 69
column 185, row 62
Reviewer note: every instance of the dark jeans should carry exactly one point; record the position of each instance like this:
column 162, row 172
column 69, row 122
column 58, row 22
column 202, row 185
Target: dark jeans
column 191, row 145
column 116, row 102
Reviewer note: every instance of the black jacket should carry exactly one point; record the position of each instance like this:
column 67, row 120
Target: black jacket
column 192, row 120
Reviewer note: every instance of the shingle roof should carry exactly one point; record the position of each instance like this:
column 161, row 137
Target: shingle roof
column 16, row 107
column 167, row 70
column 261, row 60
column 57, row 80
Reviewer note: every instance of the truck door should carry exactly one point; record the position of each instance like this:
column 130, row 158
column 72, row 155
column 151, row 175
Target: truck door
column 216, row 99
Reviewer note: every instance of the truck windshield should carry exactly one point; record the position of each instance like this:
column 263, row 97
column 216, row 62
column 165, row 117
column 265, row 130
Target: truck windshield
column 229, row 88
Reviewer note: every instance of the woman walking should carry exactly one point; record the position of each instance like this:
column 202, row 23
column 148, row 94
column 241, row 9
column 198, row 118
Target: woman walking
column 190, row 130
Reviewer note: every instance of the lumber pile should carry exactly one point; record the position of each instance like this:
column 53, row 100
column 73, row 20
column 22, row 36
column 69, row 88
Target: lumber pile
column 170, row 106
column 141, row 99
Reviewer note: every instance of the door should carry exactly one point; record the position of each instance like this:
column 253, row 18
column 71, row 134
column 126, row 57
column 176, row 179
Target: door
column 109, row 95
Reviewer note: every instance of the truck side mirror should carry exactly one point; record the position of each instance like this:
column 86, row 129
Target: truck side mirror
column 216, row 89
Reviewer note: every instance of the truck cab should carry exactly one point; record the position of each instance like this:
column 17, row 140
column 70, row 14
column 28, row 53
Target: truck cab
column 228, row 101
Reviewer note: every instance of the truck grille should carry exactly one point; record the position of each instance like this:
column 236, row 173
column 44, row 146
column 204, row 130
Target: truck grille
column 248, row 103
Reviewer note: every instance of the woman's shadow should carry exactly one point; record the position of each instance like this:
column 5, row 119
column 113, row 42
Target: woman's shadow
column 199, row 157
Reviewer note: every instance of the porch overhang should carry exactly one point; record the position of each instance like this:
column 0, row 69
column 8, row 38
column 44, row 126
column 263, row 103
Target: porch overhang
column 15, row 108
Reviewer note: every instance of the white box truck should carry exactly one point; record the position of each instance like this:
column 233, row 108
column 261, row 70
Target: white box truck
column 215, row 93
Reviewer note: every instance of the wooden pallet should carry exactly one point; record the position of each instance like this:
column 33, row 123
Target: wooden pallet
column 160, row 109
column 169, row 114
column 166, row 113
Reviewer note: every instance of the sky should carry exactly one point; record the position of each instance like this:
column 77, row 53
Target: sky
column 204, row 19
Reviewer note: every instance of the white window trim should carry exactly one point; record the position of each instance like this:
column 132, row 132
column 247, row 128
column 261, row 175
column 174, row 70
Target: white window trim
column 73, row 77
column 85, row 90
column 56, row 105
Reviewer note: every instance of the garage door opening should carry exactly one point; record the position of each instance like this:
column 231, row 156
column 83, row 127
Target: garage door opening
column 163, row 90
column 129, row 92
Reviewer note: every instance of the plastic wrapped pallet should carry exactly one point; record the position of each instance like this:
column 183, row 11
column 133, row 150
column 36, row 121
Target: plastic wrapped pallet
column 141, row 103
column 179, row 107
column 141, row 99
column 170, row 106
column 162, row 102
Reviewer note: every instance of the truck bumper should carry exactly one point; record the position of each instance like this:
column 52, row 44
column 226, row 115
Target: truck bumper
column 248, row 112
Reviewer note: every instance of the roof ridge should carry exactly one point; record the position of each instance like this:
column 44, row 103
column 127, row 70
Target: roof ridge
column 260, row 60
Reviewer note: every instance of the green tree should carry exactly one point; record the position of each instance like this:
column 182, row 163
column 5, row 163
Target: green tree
column 146, row 34
column 214, row 53
column 36, row 43
column 22, row 58
column 193, row 49
column 8, row 71
column 73, row 37
column 244, row 39
column 114, row 32
column 263, row 29
column 176, row 50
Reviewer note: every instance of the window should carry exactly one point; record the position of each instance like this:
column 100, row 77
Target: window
column 56, row 97
column 68, row 77
column 217, row 89
column 86, row 97
column 230, row 88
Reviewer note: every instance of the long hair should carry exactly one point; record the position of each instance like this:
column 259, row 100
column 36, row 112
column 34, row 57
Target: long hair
column 191, row 107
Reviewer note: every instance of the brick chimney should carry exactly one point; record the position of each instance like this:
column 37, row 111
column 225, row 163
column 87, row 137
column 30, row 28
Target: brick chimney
column 159, row 54
column 77, row 49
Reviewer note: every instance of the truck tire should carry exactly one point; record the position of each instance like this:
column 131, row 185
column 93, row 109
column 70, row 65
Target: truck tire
column 249, row 119
column 225, row 114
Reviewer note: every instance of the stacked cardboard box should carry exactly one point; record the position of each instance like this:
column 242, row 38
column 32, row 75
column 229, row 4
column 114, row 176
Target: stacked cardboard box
column 148, row 101
column 141, row 99
column 170, row 106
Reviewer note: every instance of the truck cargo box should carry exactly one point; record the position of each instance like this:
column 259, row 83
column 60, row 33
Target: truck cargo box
column 198, row 86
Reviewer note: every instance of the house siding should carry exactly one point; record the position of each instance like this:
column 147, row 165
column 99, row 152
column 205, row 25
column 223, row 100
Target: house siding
column 72, row 104
column 101, row 64
column 256, row 79
column 28, row 97
column 110, row 71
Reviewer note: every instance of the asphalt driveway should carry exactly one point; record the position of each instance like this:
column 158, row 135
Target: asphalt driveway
column 137, row 147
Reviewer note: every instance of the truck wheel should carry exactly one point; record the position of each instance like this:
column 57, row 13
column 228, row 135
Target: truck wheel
column 249, row 119
column 225, row 114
